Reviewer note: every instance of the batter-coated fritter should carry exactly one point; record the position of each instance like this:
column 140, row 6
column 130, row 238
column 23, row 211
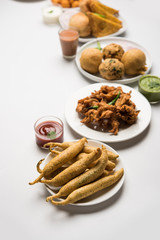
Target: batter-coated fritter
column 113, row 50
column 134, row 61
column 111, row 69
column 91, row 188
column 74, row 169
column 86, row 149
column 85, row 178
column 90, row 60
column 59, row 160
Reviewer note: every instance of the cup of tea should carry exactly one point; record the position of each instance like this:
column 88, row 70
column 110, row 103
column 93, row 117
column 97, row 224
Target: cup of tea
column 69, row 42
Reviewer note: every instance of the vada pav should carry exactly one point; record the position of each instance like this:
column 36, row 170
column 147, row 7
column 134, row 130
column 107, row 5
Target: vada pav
column 90, row 60
column 134, row 61
column 111, row 69
column 113, row 50
column 80, row 22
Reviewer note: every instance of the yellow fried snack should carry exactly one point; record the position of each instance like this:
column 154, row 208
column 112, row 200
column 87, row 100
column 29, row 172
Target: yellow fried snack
column 134, row 61
column 111, row 155
column 78, row 157
column 110, row 165
column 101, row 26
column 51, row 145
column 97, row 8
column 111, row 69
column 104, row 7
column 113, row 50
column 106, row 173
column 91, row 188
column 84, row 5
column 85, row 178
column 74, row 169
column 38, row 165
column 86, row 149
column 90, row 60
column 59, row 160
column 51, row 175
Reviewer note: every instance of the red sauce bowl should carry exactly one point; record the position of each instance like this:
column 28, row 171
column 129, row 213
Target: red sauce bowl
column 48, row 129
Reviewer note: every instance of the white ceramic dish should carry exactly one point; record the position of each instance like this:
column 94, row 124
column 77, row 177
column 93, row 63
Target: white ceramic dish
column 126, row 44
column 64, row 22
column 130, row 132
column 102, row 195
column 70, row 9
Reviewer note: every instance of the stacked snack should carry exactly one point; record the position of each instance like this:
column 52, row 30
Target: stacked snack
column 89, row 170
column 112, row 68
column 101, row 18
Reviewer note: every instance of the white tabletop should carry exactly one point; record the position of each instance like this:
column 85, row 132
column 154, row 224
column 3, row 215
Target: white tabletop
column 36, row 81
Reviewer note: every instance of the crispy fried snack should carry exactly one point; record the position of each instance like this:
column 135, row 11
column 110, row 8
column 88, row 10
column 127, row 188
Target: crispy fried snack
column 74, row 169
column 87, row 5
column 86, row 149
column 84, row 6
column 78, row 180
column 101, row 26
column 90, row 188
column 98, row 4
column 107, row 108
column 85, row 178
column 59, row 160
column 97, row 7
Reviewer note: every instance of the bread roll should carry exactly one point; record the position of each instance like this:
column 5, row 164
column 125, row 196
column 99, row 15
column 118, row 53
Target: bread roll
column 80, row 22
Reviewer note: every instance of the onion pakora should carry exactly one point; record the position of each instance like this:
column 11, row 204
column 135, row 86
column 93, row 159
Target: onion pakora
column 107, row 109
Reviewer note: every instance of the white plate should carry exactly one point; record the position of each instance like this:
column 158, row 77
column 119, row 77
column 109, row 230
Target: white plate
column 102, row 195
column 70, row 9
column 132, row 131
column 126, row 44
column 64, row 22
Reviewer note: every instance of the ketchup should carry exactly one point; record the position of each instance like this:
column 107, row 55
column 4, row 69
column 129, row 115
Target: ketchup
column 48, row 131
column 69, row 42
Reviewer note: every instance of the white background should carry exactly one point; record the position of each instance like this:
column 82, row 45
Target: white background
column 36, row 81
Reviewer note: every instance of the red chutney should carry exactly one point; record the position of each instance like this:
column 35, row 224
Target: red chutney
column 69, row 42
column 48, row 131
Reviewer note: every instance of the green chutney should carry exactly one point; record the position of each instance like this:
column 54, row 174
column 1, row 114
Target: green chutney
column 149, row 86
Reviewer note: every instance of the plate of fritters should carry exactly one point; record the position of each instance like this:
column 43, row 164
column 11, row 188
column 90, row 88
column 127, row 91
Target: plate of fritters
column 108, row 112
column 113, row 59
column 102, row 195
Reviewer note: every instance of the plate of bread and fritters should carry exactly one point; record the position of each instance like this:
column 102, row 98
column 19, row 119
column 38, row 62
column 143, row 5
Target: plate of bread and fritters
column 93, row 20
